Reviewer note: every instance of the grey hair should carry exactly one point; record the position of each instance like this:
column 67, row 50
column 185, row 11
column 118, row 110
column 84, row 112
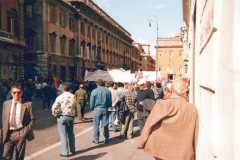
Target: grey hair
column 131, row 88
column 178, row 90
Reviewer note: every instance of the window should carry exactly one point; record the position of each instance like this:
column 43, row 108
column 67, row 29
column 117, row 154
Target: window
column 88, row 51
column 140, row 64
column 88, row 31
column 180, row 69
column 52, row 15
column 53, row 41
column 13, row 22
column 140, row 58
column 82, row 50
column 62, row 19
column 82, row 28
column 106, row 39
column 160, row 54
column 63, row 44
column 93, row 33
column 180, row 53
column 72, row 47
column 103, row 37
column 29, row 11
column 98, row 36
column 159, row 43
column 160, row 68
column 170, row 54
column 71, row 24
column 170, row 43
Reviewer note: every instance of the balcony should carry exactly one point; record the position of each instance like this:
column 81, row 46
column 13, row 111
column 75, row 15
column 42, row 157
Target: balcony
column 5, row 36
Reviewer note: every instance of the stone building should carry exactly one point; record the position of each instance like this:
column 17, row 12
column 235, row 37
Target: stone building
column 170, row 57
column 74, row 36
column 146, row 62
column 211, row 36
column 12, row 42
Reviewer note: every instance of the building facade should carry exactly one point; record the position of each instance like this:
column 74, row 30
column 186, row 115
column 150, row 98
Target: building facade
column 170, row 57
column 211, row 37
column 146, row 62
column 12, row 42
column 69, row 37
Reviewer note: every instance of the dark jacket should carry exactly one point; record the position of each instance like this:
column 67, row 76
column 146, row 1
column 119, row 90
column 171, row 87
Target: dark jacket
column 147, row 106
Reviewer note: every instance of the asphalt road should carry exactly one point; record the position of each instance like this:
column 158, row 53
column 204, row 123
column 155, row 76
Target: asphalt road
column 45, row 128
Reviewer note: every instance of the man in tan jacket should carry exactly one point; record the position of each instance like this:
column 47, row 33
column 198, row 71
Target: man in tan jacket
column 171, row 130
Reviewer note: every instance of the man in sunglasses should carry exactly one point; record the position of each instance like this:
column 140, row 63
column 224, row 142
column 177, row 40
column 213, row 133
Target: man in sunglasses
column 17, row 124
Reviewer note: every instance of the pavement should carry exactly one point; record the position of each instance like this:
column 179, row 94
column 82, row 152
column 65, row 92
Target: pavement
column 115, row 149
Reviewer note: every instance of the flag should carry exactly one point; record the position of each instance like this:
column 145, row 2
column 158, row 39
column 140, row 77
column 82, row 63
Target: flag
column 52, row 68
column 55, row 82
column 82, row 80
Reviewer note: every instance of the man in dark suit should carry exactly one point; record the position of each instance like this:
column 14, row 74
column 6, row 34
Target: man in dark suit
column 17, row 123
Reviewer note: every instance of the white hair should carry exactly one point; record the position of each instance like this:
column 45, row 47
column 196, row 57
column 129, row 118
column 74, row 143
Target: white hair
column 178, row 90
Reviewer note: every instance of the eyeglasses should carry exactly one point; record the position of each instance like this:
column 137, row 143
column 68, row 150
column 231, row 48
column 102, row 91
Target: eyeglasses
column 16, row 92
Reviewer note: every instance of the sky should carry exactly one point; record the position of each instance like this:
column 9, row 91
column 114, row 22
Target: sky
column 133, row 16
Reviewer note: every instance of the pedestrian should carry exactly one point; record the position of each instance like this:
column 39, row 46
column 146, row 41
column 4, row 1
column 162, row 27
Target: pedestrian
column 143, row 93
column 81, row 97
column 38, row 86
column 30, row 89
column 120, row 88
column 113, row 108
column 167, row 91
column 130, row 98
column 64, row 110
column 46, row 96
column 17, row 124
column 159, row 95
column 171, row 130
column 100, row 101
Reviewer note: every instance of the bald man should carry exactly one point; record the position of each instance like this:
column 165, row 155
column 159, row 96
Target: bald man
column 171, row 130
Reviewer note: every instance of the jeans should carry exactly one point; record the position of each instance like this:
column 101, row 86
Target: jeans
column 100, row 114
column 113, row 115
column 65, row 128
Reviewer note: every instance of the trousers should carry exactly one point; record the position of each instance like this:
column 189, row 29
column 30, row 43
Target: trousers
column 65, row 129
column 80, row 108
column 15, row 142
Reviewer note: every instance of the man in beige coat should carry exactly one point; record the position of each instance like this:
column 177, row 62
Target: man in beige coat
column 171, row 130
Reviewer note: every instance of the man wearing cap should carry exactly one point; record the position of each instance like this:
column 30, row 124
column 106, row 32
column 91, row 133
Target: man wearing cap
column 143, row 93
column 81, row 97
column 100, row 101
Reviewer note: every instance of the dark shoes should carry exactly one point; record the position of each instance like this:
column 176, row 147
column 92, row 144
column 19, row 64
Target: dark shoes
column 139, row 147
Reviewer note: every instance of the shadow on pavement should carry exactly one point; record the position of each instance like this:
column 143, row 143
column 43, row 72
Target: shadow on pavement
column 90, row 157
column 85, row 121
column 111, row 141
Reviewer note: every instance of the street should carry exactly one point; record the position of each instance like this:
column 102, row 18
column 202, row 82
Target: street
column 45, row 128
column 46, row 144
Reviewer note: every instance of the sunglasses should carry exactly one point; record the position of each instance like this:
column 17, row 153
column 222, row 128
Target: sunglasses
column 16, row 92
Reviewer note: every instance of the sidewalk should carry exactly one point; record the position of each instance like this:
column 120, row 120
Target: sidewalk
column 115, row 149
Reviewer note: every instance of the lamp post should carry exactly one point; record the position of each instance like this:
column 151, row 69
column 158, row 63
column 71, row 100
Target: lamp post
column 150, row 20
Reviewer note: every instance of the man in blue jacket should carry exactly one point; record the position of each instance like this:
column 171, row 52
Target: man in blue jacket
column 100, row 101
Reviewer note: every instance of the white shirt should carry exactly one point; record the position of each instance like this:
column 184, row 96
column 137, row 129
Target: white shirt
column 44, row 84
column 38, row 86
column 18, row 115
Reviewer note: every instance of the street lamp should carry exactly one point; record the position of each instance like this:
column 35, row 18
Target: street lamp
column 150, row 20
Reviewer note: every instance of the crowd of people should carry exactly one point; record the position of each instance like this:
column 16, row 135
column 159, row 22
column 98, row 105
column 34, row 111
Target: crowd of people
column 114, row 105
